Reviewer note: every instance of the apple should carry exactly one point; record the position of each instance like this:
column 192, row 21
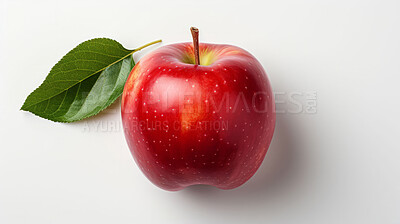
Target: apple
column 198, row 114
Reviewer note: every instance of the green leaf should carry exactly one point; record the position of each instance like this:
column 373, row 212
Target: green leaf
column 84, row 82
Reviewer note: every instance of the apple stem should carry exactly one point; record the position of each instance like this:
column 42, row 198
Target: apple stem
column 195, row 35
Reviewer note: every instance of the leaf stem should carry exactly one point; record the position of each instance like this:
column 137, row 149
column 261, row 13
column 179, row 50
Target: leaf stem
column 133, row 51
column 146, row 45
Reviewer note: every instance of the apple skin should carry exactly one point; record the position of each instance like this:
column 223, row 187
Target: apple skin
column 188, row 124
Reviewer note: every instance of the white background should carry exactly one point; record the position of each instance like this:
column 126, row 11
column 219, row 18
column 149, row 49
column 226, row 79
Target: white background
column 339, row 165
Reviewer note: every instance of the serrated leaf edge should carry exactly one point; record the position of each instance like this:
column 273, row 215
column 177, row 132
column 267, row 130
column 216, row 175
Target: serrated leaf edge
column 110, row 102
column 25, row 108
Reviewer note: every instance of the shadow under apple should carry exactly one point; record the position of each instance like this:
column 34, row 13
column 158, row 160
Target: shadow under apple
column 277, row 177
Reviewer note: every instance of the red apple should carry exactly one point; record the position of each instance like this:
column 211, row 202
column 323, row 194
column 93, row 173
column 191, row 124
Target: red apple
column 209, row 123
